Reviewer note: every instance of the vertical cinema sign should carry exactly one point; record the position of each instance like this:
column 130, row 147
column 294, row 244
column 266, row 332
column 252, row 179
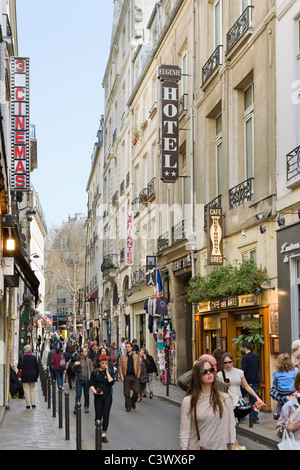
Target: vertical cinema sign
column 169, row 76
column 215, row 236
column 20, row 124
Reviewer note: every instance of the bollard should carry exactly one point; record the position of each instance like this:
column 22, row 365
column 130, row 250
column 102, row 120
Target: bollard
column 45, row 385
column 98, row 434
column 67, row 416
column 60, row 408
column 49, row 390
column 53, row 398
column 78, row 426
column 167, row 381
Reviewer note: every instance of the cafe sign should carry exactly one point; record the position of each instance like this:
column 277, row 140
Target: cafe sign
column 215, row 236
column 169, row 75
column 20, row 124
column 227, row 303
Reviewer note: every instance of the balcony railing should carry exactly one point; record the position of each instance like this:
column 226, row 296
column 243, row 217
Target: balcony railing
column 151, row 188
column 114, row 135
column 178, row 232
column 142, row 274
column 143, row 196
column 109, row 262
column 135, row 205
column 212, row 64
column 127, row 179
column 239, row 28
column 122, row 254
column 217, row 202
column 241, row 193
column 293, row 164
column 163, row 241
column 135, row 278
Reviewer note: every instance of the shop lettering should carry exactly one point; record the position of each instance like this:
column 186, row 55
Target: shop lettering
column 169, row 76
column 129, row 248
column 20, row 124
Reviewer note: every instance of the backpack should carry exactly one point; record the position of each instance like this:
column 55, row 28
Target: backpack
column 62, row 363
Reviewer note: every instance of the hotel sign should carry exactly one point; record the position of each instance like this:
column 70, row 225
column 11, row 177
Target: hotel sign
column 169, row 75
column 215, row 236
column 129, row 247
column 20, row 124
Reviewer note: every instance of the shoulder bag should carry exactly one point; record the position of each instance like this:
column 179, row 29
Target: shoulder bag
column 288, row 441
column 242, row 405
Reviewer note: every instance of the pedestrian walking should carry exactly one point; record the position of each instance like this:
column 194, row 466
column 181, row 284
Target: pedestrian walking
column 38, row 343
column 151, row 369
column 101, row 382
column 207, row 420
column 135, row 347
column 185, row 379
column 250, row 366
column 30, row 373
column 59, row 367
column 283, row 382
column 235, row 379
column 113, row 353
column 93, row 350
column 123, row 347
column 129, row 372
column 83, row 369
column 144, row 378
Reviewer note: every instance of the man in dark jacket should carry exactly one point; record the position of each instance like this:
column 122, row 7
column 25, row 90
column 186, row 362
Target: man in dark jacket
column 30, row 373
column 250, row 366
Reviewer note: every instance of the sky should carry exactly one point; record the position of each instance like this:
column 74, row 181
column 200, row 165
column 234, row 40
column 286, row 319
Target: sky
column 68, row 42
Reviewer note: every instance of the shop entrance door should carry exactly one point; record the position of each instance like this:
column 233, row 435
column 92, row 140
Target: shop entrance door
column 212, row 341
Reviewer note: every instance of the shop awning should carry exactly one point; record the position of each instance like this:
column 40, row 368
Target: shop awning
column 27, row 274
column 93, row 296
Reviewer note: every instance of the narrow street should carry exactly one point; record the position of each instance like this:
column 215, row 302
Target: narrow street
column 154, row 425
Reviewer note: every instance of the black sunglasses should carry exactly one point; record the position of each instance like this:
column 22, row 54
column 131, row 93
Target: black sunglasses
column 205, row 371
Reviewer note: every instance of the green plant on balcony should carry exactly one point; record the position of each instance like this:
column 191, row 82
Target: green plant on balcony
column 231, row 280
column 144, row 125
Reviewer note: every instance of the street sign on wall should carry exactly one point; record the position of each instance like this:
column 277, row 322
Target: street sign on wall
column 20, row 124
column 169, row 75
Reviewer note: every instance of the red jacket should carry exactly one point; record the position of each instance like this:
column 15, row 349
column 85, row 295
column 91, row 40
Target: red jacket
column 56, row 360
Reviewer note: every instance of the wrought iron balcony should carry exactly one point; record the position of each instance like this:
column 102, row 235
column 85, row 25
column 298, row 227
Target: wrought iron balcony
column 239, row 28
column 135, row 278
column 163, row 241
column 143, row 196
column 127, row 179
column 217, row 202
column 293, row 166
column 151, row 188
column 178, row 232
column 122, row 254
column 212, row 64
column 109, row 262
column 135, row 205
column 241, row 193
column 142, row 274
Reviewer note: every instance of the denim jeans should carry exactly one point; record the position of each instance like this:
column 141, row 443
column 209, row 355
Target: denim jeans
column 59, row 378
column 82, row 384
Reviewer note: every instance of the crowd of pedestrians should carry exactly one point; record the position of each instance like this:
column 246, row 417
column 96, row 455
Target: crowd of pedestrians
column 216, row 391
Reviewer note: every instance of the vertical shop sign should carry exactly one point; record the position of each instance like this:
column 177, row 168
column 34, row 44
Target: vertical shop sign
column 215, row 236
column 20, row 124
column 129, row 248
column 169, row 75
